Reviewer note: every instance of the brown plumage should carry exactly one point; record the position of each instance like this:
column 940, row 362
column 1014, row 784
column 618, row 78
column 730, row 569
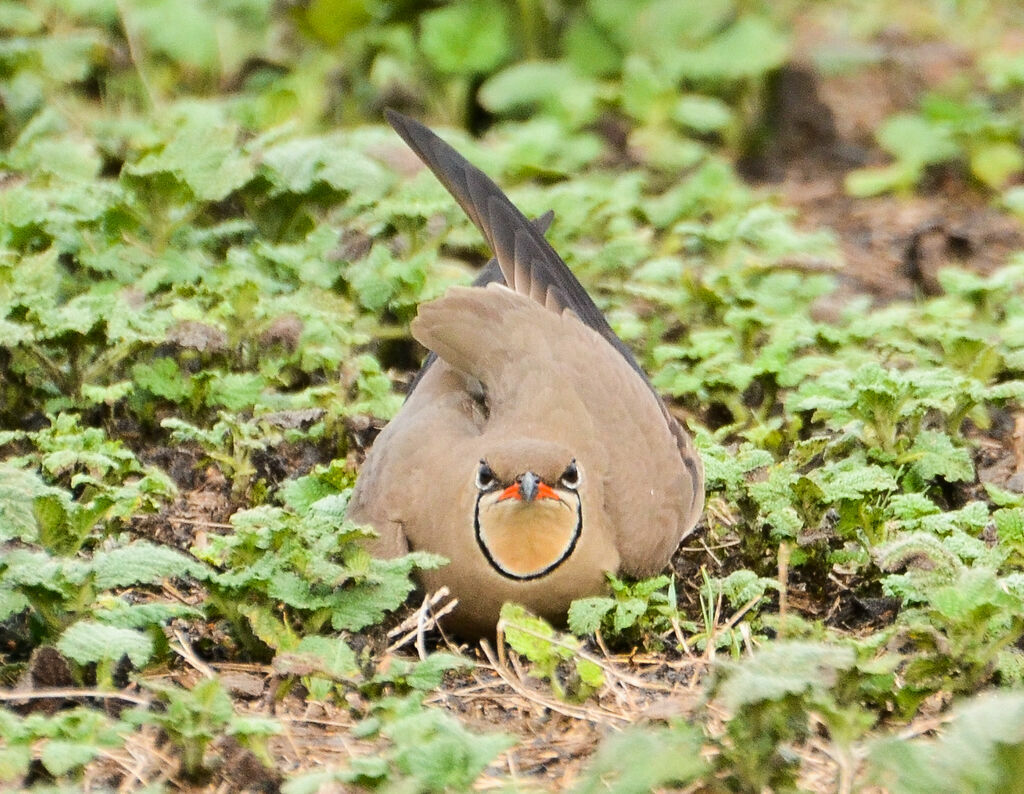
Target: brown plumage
column 533, row 452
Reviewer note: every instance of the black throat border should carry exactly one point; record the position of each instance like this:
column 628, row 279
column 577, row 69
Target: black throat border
column 529, row 577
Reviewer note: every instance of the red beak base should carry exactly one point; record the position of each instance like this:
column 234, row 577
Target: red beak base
column 515, row 491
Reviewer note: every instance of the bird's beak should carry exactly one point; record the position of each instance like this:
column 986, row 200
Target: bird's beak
column 527, row 488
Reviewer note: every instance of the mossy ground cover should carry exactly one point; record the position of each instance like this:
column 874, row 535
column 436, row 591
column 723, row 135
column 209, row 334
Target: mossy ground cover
column 804, row 217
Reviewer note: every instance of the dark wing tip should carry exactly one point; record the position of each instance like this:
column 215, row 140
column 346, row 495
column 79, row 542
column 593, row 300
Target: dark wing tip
column 529, row 264
column 408, row 128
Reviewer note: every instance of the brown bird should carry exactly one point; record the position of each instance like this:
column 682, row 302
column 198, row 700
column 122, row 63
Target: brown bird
column 532, row 451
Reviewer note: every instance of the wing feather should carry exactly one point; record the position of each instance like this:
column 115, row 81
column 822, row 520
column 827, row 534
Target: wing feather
column 528, row 263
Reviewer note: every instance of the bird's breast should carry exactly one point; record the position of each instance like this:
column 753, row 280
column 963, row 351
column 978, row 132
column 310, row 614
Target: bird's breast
column 528, row 540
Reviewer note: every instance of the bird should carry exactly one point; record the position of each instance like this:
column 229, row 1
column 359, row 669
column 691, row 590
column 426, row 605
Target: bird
column 532, row 450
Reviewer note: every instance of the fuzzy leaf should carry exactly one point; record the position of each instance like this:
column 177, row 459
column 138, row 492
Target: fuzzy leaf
column 981, row 750
column 203, row 154
column 671, row 759
column 427, row 674
column 782, row 669
column 14, row 762
column 994, row 163
column 60, row 757
column 436, row 750
column 142, row 563
column 332, row 654
column 747, row 49
column 87, row 641
column 11, row 603
column 386, row 589
column 851, row 479
column 140, row 616
column 18, row 490
column 934, row 455
column 586, row 614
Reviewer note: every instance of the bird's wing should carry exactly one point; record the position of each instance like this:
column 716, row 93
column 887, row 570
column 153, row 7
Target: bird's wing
column 546, row 373
column 489, row 274
column 528, row 263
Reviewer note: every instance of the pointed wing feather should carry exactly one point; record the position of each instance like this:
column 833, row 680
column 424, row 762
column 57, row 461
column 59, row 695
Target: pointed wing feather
column 528, row 263
column 489, row 274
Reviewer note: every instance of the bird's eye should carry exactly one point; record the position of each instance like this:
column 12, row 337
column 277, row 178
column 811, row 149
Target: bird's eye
column 571, row 476
column 485, row 478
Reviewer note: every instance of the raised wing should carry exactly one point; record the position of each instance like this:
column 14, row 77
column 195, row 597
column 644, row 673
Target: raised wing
column 528, row 263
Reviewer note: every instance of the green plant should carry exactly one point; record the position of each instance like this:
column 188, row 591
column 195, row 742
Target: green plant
column 429, row 751
column 557, row 658
column 288, row 572
column 972, row 133
column 978, row 751
column 194, row 718
column 63, row 743
column 769, row 697
column 634, row 611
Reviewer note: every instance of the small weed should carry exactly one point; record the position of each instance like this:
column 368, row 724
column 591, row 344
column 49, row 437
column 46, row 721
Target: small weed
column 557, row 658
column 194, row 718
column 288, row 572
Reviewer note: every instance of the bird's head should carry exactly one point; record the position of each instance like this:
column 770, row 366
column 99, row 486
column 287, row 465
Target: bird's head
column 528, row 514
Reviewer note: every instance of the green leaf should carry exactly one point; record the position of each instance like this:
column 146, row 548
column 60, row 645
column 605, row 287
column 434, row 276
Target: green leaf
column 299, row 164
column 588, row 48
column 361, row 770
column 586, row 614
column 60, row 757
column 436, row 750
column 640, row 760
column 19, row 489
column 851, row 479
column 994, row 163
column 934, row 455
column 265, row 625
column 534, row 638
column 203, row 154
column 184, row 33
column 236, row 391
column 428, row 674
column 163, row 378
column 781, row 669
column 142, row 563
column 526, row 84
column 332, row 654
column 14, row 762
column 87, row 641
column 466, row 38
column 747, row 49
column 981, row 750
column 702, row 113
column 332, row 20
column 741, row 587
column 913, row 139
column 11, row 603
column 253, row 726
column 531, row 636
column 140, row 616
column 385, row 589
column 873, row 181
column 302, row 492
